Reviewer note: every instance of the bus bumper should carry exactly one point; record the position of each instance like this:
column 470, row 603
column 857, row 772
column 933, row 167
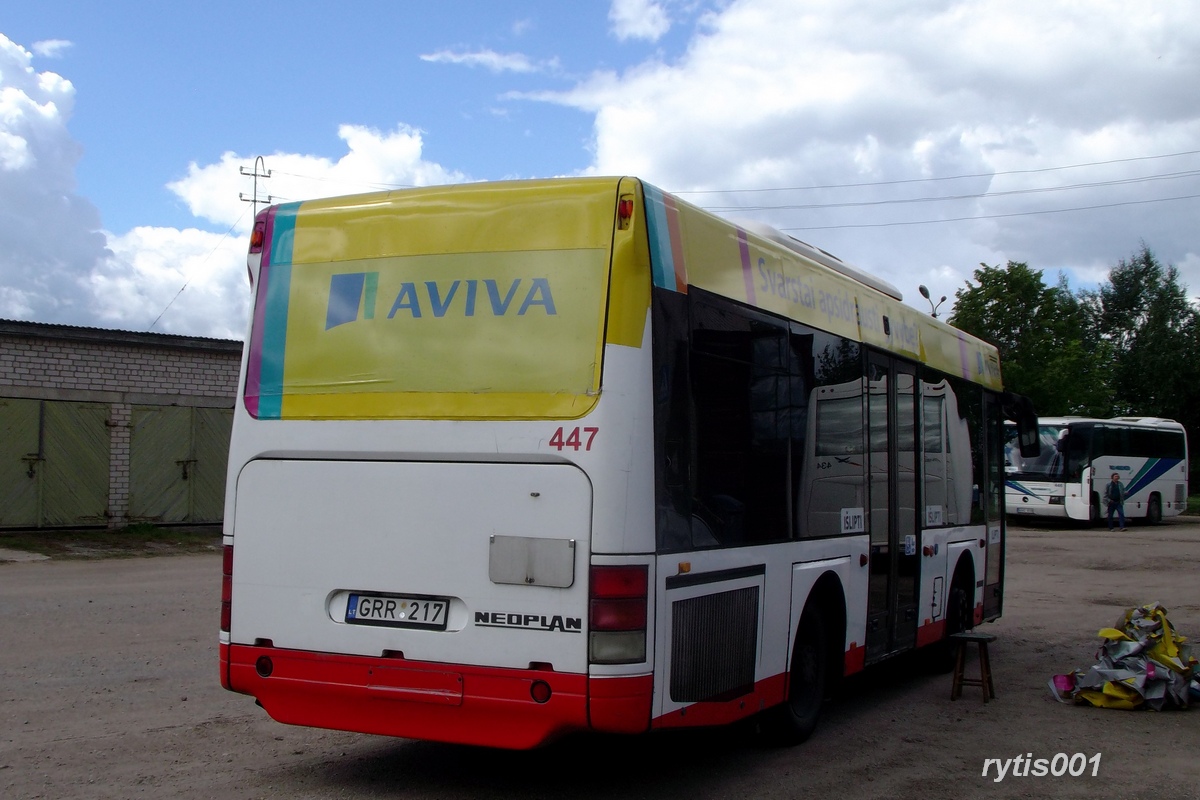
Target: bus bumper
column 463, row 704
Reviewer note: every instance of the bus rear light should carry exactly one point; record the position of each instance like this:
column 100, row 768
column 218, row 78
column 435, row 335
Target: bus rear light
column 624, row 212
column 618, row 615
column 617, row 612
column 617, row 647
column 619, row 582
column 258, row 236
column 227, row 588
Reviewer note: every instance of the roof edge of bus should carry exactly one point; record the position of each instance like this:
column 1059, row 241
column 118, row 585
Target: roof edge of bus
column 1065, row 419
column 818, row 255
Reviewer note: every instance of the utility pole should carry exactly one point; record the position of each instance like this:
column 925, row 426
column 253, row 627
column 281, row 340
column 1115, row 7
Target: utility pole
column 253, row 198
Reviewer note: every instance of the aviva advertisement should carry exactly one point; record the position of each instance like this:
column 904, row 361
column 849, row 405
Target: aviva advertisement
column 514, row 334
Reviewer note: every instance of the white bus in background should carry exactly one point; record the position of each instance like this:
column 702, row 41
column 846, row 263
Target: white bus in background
column 1079, row 456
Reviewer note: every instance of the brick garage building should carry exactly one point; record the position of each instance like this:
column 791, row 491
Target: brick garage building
column 105, row 428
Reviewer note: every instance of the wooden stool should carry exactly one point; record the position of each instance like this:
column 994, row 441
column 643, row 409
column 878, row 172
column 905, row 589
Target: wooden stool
column 961, row 640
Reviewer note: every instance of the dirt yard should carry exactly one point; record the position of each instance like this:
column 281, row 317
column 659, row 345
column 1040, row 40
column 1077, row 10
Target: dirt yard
column 108, row 689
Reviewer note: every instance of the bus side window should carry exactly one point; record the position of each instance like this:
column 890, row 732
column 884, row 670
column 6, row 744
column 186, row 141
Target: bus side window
column 672, row 426
column 828, row 449
column 741, row 396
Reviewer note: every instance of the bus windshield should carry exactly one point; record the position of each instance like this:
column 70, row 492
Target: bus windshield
column 1048, row 465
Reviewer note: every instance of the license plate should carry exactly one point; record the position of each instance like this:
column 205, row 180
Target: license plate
column 398, row 611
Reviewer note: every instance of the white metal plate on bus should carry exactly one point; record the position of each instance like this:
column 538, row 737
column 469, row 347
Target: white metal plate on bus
column 532, row 561
column 397, row 611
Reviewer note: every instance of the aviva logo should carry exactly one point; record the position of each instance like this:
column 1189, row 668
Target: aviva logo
column 353, row 295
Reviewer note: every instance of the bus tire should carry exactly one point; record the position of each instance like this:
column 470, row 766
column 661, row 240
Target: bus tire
column 794, row 720
column 1154, row 510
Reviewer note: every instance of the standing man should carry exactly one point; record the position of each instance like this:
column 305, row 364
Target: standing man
column 1114, row 495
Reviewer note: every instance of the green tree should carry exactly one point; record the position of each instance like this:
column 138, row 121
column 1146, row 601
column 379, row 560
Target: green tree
column 1042, row 333
column 1144, row 314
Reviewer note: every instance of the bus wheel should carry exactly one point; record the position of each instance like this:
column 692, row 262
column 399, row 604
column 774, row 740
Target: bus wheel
column 1154, row 511
column 794, row 721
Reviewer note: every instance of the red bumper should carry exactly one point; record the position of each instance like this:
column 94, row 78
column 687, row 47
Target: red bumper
column 442, row 702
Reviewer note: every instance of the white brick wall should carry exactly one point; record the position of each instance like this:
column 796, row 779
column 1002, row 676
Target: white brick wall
column 121, row 369
column 88, row 366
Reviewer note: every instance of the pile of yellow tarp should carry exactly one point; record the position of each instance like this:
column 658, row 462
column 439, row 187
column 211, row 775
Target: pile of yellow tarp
column 1143, row 663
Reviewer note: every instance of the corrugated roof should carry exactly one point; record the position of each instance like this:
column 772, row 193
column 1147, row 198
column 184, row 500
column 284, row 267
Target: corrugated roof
column 77, row 333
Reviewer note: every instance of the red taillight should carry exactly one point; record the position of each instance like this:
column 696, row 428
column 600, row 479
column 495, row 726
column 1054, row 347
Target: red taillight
column 227, row 588
column 618, row 601
column 624, row 212
column 617, row 582
column 258, row 236
column 617, row 613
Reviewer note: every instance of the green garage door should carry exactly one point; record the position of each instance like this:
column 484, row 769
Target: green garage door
column 177, row 459
column 53, row 463
column 75, row 478
column 20, row 462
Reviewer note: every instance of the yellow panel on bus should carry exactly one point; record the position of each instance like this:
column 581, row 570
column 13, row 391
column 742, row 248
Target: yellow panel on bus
column 451, row 303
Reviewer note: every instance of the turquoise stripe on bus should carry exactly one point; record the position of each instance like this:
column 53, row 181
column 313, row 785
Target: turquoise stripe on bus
column 1152, row 470
column 1019, row 488
column 270, row 398
column 662, row 259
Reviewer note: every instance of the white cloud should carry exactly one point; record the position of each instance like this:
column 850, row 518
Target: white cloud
column 52, row 48
column 49, row 234
column 638, row 19
column 771, row 93
column 489, row 60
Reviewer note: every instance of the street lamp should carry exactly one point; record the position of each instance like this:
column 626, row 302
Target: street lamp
column 933, row 308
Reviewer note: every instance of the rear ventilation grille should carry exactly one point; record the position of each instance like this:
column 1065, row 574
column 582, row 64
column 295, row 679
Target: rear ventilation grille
column 713, row 646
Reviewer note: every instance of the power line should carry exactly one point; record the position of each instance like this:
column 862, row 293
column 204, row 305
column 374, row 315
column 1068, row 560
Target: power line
column 942, row 178
column 990, row 216
column 875, row 184
column 975, row 196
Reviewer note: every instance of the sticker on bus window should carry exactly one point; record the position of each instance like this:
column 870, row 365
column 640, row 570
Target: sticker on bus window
column 933, row 516
column 854, row 520
column 910, row 545
column 994, row 535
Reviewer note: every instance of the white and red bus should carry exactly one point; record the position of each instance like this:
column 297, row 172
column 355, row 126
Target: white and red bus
column 512, row 460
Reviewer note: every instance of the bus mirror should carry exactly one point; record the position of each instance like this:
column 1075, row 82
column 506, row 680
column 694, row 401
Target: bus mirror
column 1020, row 410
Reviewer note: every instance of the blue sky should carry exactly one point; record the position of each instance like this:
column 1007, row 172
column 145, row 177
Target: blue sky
column 124, row 126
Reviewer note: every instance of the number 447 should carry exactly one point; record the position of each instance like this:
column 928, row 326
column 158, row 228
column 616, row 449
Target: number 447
column 574, row 439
